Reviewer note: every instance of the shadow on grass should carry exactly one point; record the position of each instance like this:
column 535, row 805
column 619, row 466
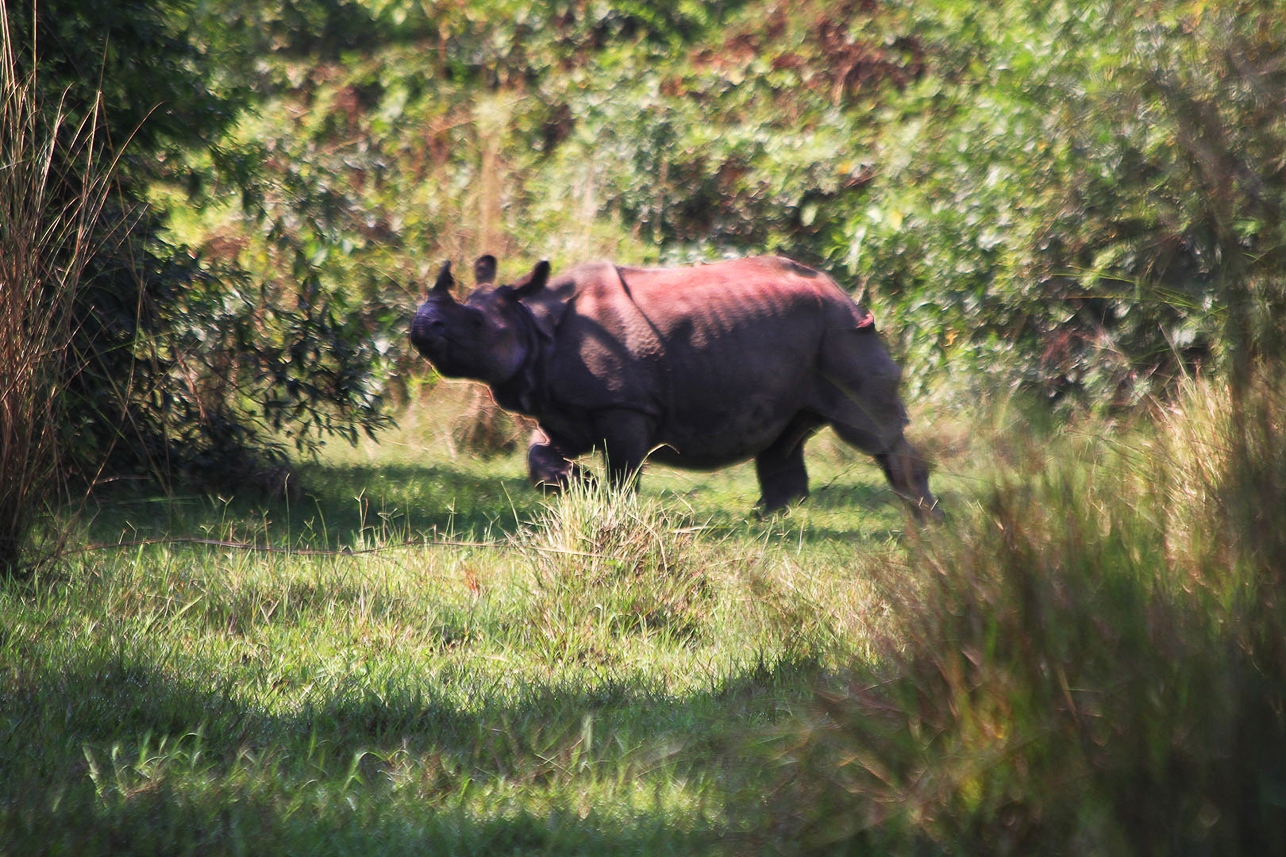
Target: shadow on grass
column 811, row 524
column 429, row 498
column 862, row 499
column 342, row 506
column 350, row 504
column 116, row 754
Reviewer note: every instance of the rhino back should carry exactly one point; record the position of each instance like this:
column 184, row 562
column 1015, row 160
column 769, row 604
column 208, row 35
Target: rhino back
column 723, row 356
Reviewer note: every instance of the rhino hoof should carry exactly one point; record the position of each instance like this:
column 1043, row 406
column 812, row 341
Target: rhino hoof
column 765, row 510
column 556, row 482
column 929, row 513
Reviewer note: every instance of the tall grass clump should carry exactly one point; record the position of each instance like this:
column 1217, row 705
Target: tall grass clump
column 52, row 188
column 1094, row 663
column 613, row 565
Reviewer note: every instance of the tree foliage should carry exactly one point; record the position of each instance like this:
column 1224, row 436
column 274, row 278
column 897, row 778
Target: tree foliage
column 1059, row 197
column 1074, row 198
column 1075, row 208
column 182, row 365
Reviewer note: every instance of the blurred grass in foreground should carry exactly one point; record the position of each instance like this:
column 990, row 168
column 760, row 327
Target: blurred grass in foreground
column 1094, row 661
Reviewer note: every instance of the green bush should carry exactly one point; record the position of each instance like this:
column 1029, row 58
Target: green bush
column 177, row 366
column 1069, row 196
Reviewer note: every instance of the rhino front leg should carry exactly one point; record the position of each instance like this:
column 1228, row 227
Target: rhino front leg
column 783, row 479
column 549, row 466
column 626, row 439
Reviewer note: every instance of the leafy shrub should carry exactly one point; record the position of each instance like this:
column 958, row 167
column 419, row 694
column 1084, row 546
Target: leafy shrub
column 1068, row 197
column 177, row 366
column 1053, row 197
column 1043, row 196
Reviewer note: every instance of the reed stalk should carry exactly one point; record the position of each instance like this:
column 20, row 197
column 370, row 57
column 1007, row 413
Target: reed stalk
column 53, row 187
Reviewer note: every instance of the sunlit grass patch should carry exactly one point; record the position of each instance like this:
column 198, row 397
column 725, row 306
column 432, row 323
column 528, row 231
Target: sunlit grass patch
column 572, row 673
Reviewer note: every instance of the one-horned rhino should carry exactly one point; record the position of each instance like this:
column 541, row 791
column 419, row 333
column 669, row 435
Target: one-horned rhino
column 694, row 367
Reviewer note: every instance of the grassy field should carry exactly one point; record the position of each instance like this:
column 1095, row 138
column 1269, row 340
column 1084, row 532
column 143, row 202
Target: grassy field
column 498, row 673
column 1088, row 657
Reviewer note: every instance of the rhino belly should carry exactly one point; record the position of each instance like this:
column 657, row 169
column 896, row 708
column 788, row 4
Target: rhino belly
column 719, row 431
column 727, row 407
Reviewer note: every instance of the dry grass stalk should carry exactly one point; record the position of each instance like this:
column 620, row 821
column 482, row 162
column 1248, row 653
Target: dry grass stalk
column 52, row 191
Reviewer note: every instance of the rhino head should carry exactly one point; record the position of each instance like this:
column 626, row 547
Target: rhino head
column 488, row 336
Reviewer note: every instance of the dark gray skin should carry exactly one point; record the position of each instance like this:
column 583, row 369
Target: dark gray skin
column 694, row 367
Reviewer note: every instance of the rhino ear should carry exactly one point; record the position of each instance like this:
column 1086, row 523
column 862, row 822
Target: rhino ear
column 533, row 282
column 484, row 270
column 445, row 280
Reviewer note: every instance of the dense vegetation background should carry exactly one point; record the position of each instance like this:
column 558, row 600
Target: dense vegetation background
column 1077, row 199
column 218, row 216
column 1042, row 196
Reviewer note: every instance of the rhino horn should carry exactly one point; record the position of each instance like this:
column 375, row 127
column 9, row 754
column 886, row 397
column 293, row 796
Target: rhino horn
column 445, row 280
column 484, row 270
column 533, row 282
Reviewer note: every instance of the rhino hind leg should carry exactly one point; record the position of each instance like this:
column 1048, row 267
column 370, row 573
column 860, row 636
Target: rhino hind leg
column 783, row 478
column 903, row 466
column 859, row 399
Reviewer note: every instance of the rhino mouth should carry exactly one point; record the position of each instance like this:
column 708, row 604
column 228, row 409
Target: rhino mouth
column 428, row 337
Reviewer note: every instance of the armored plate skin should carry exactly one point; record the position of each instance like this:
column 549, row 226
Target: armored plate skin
column 696, row 367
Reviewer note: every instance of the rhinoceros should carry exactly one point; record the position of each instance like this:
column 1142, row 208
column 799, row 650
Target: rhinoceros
column 695, row 367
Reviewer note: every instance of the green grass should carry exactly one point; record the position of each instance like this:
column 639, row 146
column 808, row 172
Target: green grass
column 588, row 678
column 1088, row 657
